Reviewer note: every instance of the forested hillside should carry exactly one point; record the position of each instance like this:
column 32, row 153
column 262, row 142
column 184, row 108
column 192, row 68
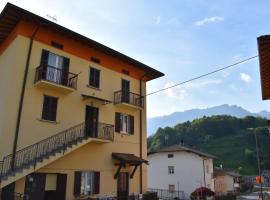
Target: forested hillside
column 229, row 138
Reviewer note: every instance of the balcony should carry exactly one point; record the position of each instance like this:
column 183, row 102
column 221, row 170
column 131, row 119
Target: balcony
column 101, row 131
column 128, row 99
column 54, row 78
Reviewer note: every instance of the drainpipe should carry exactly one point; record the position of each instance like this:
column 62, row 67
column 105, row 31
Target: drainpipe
column 204, row 173
column 15, row 142
column 141, row 175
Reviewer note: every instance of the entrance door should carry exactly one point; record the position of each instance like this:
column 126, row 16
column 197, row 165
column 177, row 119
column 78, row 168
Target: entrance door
column 61, row 186
column 35, row 186
column 91, row 121
column 8, row 192
column 123, row 185
column 125, row 91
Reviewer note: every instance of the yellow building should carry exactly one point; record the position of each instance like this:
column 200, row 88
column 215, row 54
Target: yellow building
column 72, row 113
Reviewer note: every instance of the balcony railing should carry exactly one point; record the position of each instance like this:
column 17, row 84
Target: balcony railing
column 105, row 131
column 59, row 142
column 129, row 98
column 56, row 75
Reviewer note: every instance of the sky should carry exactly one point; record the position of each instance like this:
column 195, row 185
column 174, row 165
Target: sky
column 181, row 38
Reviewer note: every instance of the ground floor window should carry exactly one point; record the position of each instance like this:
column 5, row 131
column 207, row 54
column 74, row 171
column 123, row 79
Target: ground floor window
column 171, row 188
column 86, row 183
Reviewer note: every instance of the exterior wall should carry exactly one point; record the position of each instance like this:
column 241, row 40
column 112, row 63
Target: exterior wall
column 70, row 112
column 230, row 183
column 11, row 78
column 209, row 170
column 224, row 183
column 220, row 184
column 188, row 173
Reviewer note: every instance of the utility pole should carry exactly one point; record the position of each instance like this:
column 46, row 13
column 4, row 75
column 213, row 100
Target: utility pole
column 258, row 163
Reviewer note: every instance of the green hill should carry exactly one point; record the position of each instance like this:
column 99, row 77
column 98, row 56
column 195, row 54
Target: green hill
column 229, row 138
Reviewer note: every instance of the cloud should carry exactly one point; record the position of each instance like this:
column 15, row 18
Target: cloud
column 209, row 20
column 245, row 77
column 181, row 92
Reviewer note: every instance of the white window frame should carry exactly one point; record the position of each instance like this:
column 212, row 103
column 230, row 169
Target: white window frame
column 125, row 126
column 170, row 170
column 87, row 183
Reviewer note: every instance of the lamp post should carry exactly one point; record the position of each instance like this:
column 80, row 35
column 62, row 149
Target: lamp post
column 258, row 161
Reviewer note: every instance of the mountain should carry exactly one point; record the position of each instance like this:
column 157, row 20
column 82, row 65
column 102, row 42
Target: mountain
column 230, row 139
column 189, row 115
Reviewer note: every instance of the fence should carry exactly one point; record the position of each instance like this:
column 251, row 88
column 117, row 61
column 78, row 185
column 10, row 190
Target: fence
column 168, row 195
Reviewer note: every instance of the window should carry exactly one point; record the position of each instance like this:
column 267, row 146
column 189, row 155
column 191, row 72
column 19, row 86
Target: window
column 55, row 68
column 170, row 155
column 86, row 183
column 94, row 77
column 57, row 45
column 95, row 60
column 124, row 123
column 171, row 188
column 171, row 169
column 49, row 108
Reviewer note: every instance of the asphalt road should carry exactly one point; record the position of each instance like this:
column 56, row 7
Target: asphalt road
column 254, row 195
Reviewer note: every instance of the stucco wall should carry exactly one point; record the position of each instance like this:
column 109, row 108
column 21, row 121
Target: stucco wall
column 70, row 112
column 188, row 174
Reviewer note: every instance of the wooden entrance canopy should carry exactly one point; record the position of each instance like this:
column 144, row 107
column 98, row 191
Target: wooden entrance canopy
column 130, row 159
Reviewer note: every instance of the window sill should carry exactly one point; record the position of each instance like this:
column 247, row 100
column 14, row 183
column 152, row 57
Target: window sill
column 124, row 134
column 48, row 121
column 92, row 87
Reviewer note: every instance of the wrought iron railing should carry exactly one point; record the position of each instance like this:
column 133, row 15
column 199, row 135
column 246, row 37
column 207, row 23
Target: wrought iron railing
column 105, row 131
column 167, row 194
column 56, row 143
column 129, row 98
column 56, row 75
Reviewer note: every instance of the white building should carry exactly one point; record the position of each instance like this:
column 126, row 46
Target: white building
column 180, row 168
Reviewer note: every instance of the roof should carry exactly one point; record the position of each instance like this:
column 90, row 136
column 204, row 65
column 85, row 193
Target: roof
column 129, row 158
column 180, row 148
column 12, row 14
column 264, row 58
column 222, row 172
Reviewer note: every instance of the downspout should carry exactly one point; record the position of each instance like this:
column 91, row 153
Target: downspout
column 204, row 173
column 15, row 142
column 141, row 174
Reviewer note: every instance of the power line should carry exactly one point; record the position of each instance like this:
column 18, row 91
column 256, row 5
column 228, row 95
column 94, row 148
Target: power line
column 203, row 75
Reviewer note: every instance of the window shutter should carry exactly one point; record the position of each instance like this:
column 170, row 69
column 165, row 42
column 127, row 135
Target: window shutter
column 44, row 57
column 96, row 182
column 65, row 70
column 117, row 122
column 44, row 63
column 77, row 183
column 49, row 108
column 97, row 78
column 131, row 119
column 53, row 108
column 46, row 108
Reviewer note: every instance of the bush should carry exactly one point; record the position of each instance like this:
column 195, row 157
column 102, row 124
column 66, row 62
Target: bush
column 202, row 193
column 229, row 196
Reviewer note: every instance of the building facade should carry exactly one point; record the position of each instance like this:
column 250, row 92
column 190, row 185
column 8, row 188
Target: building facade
column 225, row 181
column 178, row 168
column 72, row 113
